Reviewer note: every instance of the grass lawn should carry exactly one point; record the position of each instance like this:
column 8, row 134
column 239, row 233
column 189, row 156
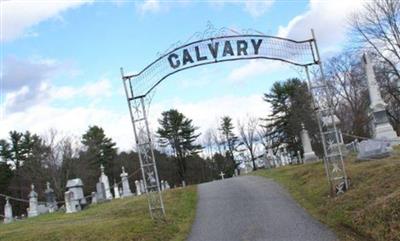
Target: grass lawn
column 370, row 210
column 123, row 219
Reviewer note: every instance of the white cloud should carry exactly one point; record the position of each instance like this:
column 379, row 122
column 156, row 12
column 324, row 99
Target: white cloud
column 149, row 6
column 255, row 68
column 328, row 19
column 18, row 16
column 257, row 8
column 101, row 88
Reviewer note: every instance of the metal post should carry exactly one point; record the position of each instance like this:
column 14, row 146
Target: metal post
column 319, row 118
column 145, row 150
column 333, row 154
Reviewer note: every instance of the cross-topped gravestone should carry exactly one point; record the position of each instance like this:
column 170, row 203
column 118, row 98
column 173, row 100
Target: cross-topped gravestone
column 51, row 202
column 8, row 216
column 33, row 202
column 104, row 179
column 126, row 190
column 222, row 175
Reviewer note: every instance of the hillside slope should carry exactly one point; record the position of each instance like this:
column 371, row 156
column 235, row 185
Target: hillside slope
column 123, row 219
column 370, row 210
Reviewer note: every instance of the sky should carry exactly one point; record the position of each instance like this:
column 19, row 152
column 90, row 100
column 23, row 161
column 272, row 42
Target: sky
column 61, row 60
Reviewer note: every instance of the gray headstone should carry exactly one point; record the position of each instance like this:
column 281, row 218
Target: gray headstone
column 71, row 204
column 94, row 198
column 373, row 149
column 51, row 202
column 100, row 192
column 104, row 179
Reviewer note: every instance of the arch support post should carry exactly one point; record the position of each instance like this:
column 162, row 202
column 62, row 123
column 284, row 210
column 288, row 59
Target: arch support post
column 327, row 123
column 145, row 149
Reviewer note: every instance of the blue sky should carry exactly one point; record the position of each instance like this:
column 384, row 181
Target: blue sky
column 60, row 60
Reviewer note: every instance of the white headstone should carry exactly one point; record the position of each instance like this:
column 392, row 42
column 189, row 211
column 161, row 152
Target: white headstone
column 104, row 179
column 167, row 185
column 116, row 190
column 222, row 175
column 94, row 198
column 309, row 155
column 70, row 202
column 183, row 183
column 126, row 190
column 8, row 216
column 142, row 187
column 381, row 125
column 33, row 203
column 162, row 185
column 137, row 187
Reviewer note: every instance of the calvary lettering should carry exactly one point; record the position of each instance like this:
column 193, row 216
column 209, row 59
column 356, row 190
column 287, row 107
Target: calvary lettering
column 217, row 49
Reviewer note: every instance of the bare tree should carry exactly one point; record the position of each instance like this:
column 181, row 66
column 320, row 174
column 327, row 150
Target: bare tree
column 347, row 81
column 248, row 137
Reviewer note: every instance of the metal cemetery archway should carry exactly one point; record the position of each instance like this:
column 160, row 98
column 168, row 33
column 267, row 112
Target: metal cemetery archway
column 222, row 47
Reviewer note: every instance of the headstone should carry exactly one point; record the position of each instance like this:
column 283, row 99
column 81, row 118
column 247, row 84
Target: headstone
column 71, row 203
column 373, row 149
column 183, row 183
column 51, row 202
column 33, row 203
column 100, row 192
column 8, row 216
column 137, row 187
column 76, row 186
column 126, row 190
column 222, row 175
column 309, row 155
column 236, row 172
column 299, row 157
column 116, row 190
column 43, row 209
column 142, row 187
column 162, row 187
column 167, row 185
column 94, row 198
column 104, row 179
column 381, row 125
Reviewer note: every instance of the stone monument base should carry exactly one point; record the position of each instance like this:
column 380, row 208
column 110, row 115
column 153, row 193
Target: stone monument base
column 310, row 157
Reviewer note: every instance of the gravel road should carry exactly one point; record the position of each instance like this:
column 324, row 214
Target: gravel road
column 250, row 208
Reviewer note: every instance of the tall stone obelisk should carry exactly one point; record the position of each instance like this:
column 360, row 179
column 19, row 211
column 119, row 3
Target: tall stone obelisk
column 381, row 126
column 309, row 154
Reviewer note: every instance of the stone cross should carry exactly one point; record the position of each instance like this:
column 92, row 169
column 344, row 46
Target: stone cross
column 104, row 179
column 309, row 155
column 222, row 175
column 51, row 202
column 8, row 216
column 116, row 190
column 33, row 203
column 137, row 187
column 126, row 190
